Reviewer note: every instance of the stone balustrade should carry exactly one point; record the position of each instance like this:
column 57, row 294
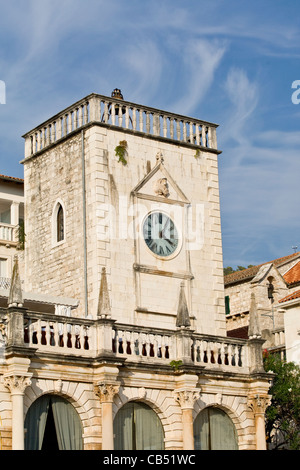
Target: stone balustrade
column 123, row 115
column 8, row 233
column 61, row 335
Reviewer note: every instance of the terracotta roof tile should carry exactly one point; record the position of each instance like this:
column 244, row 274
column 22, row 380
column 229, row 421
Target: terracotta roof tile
column 249, row 273
column 11, row 178
column 293, row 275
column 293, row 296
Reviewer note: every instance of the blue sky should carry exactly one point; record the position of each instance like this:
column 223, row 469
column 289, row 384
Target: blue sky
column 229, row 62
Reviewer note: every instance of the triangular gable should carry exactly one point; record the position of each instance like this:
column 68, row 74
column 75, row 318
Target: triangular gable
column 152, row 186
column 268, row 270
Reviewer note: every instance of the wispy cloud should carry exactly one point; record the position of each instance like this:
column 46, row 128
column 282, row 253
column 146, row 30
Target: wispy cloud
column 200, row 59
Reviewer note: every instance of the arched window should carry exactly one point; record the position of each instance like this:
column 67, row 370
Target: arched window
column 214, row 430
column 60, row 224
column 52, row 423
column 137, row 427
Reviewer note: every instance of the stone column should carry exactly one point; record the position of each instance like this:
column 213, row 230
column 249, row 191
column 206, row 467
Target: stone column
column 186, row 399
column 106, row 393
column 17, row 385
column 258, row 405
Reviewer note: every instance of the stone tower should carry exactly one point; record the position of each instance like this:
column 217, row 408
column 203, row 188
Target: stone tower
column 121, row 323
column 110, row 204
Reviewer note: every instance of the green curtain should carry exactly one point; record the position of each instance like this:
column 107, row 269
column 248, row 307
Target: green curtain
column 35, row 423
column 67, row 423
column 214, row 430
column 137, row 427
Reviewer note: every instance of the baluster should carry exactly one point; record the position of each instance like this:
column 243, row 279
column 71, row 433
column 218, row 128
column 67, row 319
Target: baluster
column 86, row 335
column 156, row 124
column 209, row 137
column 230, row 354
column 120, row 116
column 126, row 117
column 191, row 133
column 171, row 128
column 48, row 335
column 141, row 120
column 147, row 122
column 39, row 145
column 243, row 356
column 134, row 119
column 148, row 345
column 86, row 113
column 234, row 357
column 203, row 135
column 48, row 134
column 70, row 122
column 52, row 134
column 165, row 126
column 177, row 130
column 222, row 354
column 135, row 339
column 184, row 131
column 30, row 332
column 198, row 142
column 113, row 114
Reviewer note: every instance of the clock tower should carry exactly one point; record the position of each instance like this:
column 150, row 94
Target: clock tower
column 152, row 218
column 121, row 319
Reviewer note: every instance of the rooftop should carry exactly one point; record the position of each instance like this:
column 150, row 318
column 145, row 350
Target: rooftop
column 249, row 273
column 12, row 179
column 293, row 275
column 293, row 296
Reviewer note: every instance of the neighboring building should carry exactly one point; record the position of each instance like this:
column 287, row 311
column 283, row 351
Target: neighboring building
column 11, row 218
column 118, row 339
column 275, row 285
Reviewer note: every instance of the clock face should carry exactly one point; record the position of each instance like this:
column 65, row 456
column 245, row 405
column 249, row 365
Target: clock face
column 160, row 234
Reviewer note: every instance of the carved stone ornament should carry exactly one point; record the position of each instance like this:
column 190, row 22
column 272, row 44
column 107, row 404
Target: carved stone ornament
column 161, row 187
column 106, row 392
column 186, row 398
column 16, row 383
column 259, row 404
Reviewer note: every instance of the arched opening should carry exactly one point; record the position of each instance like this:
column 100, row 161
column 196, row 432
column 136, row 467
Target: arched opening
column 137, row 427
column 60, row 229
column 214, row 430
column 52, row 423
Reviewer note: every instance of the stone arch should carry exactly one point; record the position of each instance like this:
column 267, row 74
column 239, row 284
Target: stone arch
column 162, row 403
column 235, row 407
column 80, row 395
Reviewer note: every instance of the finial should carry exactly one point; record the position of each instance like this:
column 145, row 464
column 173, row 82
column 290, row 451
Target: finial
column 15, row 298
column 254, row 327
column 183, row 318
column 104, row 309
column 159, row 158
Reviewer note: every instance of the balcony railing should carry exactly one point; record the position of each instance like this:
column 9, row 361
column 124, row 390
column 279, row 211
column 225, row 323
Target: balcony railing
column 5, row 282
column 123, row 115
column 87, row 338
column 8, row 233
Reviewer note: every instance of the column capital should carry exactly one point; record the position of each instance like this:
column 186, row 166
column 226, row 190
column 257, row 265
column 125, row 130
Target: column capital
column 259, row 403
column 106, row 392
column 17, row 383
column 186, row 398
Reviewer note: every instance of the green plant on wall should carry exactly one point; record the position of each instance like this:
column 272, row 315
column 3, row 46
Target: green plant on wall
column 175, row 365
column 197, row 154
column 121, row 151
column 21, row 236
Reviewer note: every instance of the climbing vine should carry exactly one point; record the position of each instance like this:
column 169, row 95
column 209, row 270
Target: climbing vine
column 121, row 151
